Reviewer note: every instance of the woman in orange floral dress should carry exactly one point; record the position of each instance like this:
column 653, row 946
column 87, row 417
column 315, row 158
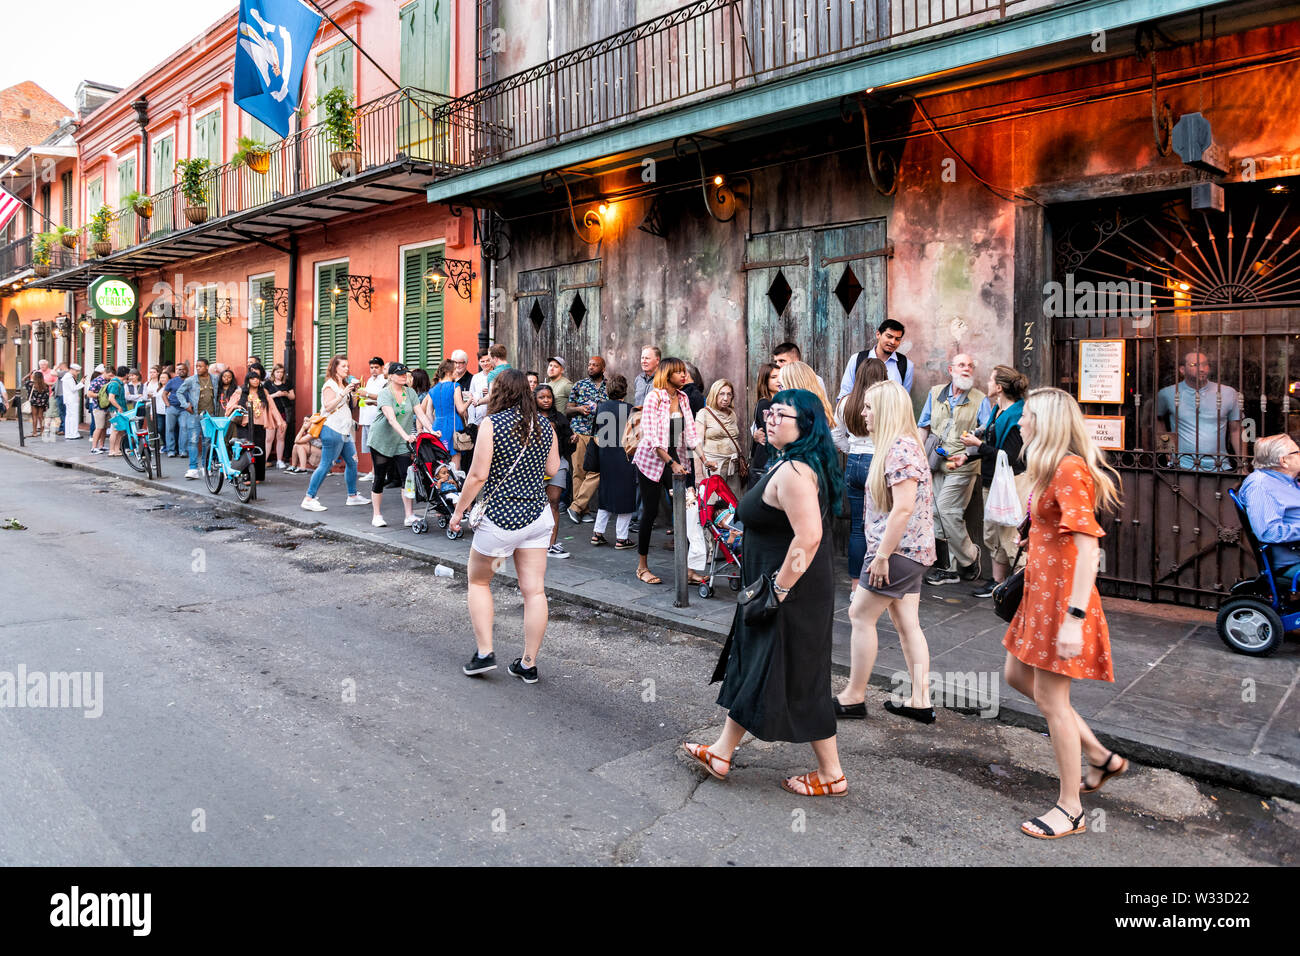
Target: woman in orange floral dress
column 1059, row 632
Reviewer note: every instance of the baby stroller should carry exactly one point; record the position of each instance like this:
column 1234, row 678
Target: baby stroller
column 717, row 507
column 436, row 482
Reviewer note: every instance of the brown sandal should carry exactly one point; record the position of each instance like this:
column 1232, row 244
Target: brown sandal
column 646, row 576
column 705, row 756
column 815, row 787
column 694, row 578
column 1105, row 774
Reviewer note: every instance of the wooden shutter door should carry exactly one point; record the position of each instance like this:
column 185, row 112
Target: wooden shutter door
column 126, row 222
column 261, row 327
column 164, row 173
column 422, row 312
column 332, row 317
column 94, row 197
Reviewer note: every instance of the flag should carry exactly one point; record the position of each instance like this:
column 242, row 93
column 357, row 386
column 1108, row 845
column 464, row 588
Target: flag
column 272, row 42
column 9, row 206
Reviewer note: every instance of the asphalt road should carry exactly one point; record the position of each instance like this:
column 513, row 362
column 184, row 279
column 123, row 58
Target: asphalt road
column 271, row 697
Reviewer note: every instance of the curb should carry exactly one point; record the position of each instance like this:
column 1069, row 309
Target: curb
column 1197, row 762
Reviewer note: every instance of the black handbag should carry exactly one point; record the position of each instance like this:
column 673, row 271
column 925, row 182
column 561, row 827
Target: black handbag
column 758, row 601
column 1008, row 595
column 591, row 457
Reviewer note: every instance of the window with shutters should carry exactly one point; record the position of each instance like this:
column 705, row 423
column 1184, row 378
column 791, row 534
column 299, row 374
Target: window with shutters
column 124, row 226
column 94, row 197
column 334, row 67
column 46, row 222
column 331, row 316
column 205, row 324
column 425, row 27
column 422, row 345
column 261, row 320
column 107, row 334
column 65, row 191
column 163, row 170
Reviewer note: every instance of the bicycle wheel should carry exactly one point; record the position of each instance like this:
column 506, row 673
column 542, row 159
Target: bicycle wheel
column 216, row 475
column 131, row 452
column 245, row 486
column 146, row 457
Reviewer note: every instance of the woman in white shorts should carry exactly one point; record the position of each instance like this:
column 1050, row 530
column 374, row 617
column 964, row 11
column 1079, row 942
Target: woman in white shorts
column 514, row 452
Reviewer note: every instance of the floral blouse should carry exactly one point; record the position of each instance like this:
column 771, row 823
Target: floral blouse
column 904, row 460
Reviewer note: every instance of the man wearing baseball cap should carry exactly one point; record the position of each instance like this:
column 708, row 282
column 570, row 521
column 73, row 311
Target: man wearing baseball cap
column 69, row 386
column 560, row 385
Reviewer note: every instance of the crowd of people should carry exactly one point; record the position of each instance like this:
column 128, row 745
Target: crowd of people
column 530, row 449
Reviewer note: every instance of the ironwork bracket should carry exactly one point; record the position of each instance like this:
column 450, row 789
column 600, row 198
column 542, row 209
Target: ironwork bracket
column 590, row 219
column 223, row 311
column 724, row 197
column 654, row 220
column 360, row 290
column 281, row 301
column 1162, row 119
column 879, row 164
column 460, row 275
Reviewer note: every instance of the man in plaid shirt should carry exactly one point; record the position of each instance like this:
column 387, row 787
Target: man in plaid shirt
column 581, row 410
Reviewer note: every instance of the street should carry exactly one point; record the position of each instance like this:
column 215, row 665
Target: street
column 273, row 697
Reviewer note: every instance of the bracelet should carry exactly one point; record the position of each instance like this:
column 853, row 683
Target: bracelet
column 778, row 589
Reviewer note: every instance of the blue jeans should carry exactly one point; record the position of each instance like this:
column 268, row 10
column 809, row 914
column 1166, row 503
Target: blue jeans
column 172, row 430
column 855, row 479
column 333, row 447
column 194, row 440
column 60, row 409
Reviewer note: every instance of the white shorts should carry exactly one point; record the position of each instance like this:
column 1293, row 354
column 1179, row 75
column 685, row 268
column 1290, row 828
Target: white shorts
column 497, row 542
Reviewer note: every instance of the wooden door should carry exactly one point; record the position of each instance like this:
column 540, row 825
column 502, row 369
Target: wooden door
column 577, row 316
column 777, row 298
column 535, row 320
column 848, row 297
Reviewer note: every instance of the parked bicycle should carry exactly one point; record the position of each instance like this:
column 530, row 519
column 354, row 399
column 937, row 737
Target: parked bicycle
column 137, row 445
column 229, row 458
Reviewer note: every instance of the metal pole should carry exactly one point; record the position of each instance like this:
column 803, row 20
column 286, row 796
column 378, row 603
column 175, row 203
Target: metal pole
column 680, row 545
column 18, row 399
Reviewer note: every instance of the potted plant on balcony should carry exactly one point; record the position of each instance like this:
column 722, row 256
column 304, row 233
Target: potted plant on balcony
column 142, row 204
column 68, row 236
column 99, row 224
column 341, row 128
column 42, row 249
column 256, row 156
column 194, row 188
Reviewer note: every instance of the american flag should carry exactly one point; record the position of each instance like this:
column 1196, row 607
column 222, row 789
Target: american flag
column 9, row 207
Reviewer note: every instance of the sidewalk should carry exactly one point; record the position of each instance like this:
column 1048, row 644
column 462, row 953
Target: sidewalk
column 1181, row 699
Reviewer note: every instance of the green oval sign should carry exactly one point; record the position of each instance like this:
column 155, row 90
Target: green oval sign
column 115, row 297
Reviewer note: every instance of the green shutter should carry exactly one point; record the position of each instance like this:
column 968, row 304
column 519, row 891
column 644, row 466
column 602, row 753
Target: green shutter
column 94, row 197
column 125, row 225
column 205, row 329
column 130, row 345
column 164, row 177
column 65, row 188
column 333, row 68
column 331, row 317
column 261, row 327
column 422, row 326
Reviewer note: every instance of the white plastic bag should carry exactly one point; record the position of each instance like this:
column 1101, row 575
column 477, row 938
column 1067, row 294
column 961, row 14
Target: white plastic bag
column 408, row 490
column 1003, row 504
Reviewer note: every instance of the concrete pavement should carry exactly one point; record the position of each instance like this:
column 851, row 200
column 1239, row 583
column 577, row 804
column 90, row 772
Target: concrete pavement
column 1181, row 699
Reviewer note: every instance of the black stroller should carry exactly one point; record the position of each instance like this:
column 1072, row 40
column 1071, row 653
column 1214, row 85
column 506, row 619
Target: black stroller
column 436, row 482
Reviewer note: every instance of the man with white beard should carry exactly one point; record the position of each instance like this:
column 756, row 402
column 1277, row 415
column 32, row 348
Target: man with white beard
column 951, row 410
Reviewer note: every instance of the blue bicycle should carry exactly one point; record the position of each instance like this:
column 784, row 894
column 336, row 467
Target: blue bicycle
column 229, row 458
column 137, row 443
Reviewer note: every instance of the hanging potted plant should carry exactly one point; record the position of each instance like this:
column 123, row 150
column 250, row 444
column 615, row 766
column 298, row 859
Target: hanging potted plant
column 194, row 188
column 42, row 248
column 142, row 204
column 68, row 236
column 341, row 128
column 99, row 224
column 256, row 156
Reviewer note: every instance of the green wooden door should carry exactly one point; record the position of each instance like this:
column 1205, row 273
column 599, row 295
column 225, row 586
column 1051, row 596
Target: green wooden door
column 334, row 67
column 94, row 198
column 125, row 225
column 331, row 317
column 261, row 321
column 422, row 344
column 205, row 325
column 163, row 168
column 207, row 145
column 425, row 27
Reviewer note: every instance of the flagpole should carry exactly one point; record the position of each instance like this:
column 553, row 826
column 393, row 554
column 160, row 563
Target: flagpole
column 345, row 36
column 48, row 221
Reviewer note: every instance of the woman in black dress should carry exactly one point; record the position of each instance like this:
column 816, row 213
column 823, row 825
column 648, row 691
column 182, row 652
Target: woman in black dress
column 776, row 674
column 616, row 494
column 769, row 383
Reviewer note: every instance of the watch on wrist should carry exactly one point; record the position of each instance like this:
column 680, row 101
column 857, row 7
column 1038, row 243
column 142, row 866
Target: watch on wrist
column 1078, row 612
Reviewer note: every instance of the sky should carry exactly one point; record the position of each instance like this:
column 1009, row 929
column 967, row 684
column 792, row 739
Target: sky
column 108, row 41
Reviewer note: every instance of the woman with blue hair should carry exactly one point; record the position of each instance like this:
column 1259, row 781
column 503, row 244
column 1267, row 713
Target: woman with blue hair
column 776, row 672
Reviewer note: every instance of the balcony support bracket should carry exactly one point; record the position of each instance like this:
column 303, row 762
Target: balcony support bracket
column 879, row 164
column 720, row 199
column 592, row 225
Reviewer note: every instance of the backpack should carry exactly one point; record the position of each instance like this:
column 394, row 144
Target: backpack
column 102, row 397
column 866, row 354
column 632, row 434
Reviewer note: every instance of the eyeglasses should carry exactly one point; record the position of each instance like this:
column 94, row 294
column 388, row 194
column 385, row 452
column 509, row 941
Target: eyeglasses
column 775, row 415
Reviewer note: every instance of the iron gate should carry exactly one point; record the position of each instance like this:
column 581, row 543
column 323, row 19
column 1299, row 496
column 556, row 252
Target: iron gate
column 1209, row 318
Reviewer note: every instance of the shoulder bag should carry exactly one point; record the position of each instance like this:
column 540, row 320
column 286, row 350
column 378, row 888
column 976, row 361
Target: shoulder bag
column 758, row 601
column 632, row 434
column 742, row 466
column 1008, row 595
column 479, row 509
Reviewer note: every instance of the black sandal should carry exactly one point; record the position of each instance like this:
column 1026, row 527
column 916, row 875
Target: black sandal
column 597, row 540
column 1105, row 774
column 1076, row 826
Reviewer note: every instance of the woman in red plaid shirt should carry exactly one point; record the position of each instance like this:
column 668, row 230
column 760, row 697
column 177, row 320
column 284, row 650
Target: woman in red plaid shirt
column 668, row 432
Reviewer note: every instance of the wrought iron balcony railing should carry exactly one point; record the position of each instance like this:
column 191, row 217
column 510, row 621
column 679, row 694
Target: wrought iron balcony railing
column 407, row 124
column 696, row 52
column 16, row 257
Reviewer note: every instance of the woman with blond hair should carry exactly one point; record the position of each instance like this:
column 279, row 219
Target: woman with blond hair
column 898, row 523
column 719, row 451
column 1059, row 632
column 801, row 375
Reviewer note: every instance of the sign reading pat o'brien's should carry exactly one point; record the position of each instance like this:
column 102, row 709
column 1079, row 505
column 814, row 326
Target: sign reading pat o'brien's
column 113, row 297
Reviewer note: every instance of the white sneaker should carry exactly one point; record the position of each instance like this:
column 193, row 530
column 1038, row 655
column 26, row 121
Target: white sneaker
column 409, row 520
column 311, row 504
column 279, row 466
column 73, row 438
column 368, row 476
column 192, row 474
column 358, row 500
column 378, row 521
